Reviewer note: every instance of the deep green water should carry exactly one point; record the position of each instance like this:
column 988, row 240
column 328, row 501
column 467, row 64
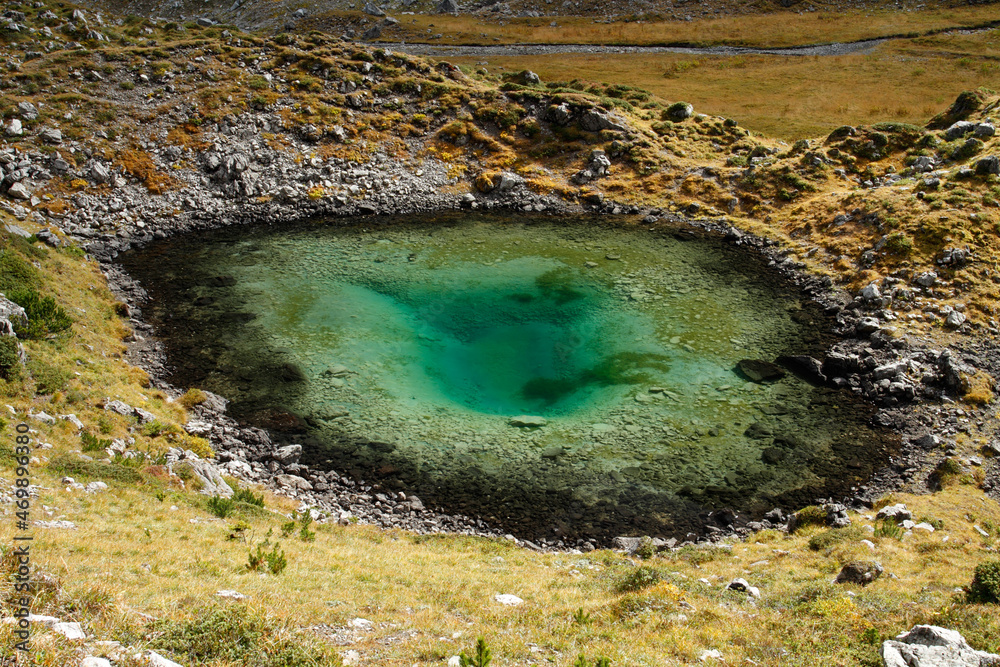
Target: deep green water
column 400, row 350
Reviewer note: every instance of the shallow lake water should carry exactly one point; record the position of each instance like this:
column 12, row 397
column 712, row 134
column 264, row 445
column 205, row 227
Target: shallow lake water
column 401, row 351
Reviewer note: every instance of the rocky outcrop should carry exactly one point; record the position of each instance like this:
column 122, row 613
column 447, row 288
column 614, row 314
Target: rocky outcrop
column 932, row 646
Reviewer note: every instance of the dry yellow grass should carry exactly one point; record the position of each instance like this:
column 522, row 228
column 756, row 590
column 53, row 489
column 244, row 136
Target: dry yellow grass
column 778, row 29
column 791, row 98
column 429, row 597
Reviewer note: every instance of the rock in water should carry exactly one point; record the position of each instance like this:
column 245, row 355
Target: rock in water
column 528, row 421
column 757, row 370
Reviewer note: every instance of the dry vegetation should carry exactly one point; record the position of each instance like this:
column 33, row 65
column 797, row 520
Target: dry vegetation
column 772, row 30
column 792, row 98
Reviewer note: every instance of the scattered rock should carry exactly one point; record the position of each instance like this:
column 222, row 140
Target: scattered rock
column 154, row 659
column 232, row 595
column 91, row 661
column 293, row 482
column 741, row 585
column 954, row 319
column 859, row 572
column 288, row 454
column 896, row 512
column 508, row 600
column 71, row 631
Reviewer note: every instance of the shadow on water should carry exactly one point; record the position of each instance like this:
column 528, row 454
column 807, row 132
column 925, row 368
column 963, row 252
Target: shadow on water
column 594, row 472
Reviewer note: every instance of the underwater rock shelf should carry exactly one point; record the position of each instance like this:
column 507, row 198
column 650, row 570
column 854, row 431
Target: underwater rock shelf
column 555, row 377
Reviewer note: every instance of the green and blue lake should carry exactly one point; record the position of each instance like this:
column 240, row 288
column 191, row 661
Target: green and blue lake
column 400, row 350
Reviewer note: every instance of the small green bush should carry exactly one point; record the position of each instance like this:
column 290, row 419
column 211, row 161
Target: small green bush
column 91, row 443
column 246, row 496
column 646, row 549
column 45, row 316
column 220, row 507
column 637, row 579
column 15, row 273
column 481, row 658
column 10, row 360
column 985, row 586
column 258, row 83
column 275, row 558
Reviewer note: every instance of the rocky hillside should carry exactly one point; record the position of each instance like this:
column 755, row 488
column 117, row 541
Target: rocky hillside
column 120, row 130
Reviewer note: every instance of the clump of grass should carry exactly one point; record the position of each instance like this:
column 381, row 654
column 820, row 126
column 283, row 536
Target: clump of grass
column 889, row 530
column 828, row 539
column 698, row 555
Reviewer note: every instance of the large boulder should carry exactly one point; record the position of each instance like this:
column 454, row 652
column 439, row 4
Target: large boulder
column 595, row 121
column 932, row 646
column 11, row 314
column 208, row 476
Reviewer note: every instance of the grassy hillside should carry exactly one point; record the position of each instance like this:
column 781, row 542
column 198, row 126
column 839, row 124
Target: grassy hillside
column 144, row 559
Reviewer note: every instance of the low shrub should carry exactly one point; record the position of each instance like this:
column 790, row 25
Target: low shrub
column 246, row 496
column 637, row 579
column 812, row 515
column 985, row 586
column 10, row 358
column 220, row 507
column 91, row 443
column 48, row 378
column 73, row 466
column 217, row 635
column 45, row 316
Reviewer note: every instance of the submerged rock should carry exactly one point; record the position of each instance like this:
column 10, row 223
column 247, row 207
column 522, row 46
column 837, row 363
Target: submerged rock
column 528, row 421
column 757, row 370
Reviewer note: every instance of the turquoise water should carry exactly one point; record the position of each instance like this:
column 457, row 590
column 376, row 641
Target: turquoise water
column 401, row 351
